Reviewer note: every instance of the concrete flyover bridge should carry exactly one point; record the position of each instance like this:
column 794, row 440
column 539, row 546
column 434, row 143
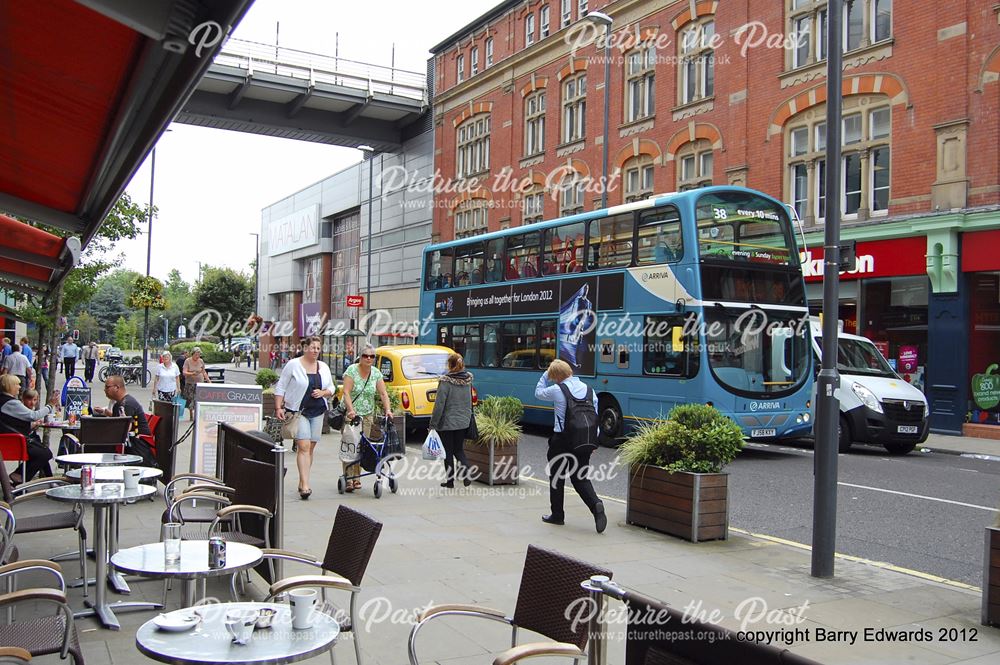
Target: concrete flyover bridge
column 277, row 91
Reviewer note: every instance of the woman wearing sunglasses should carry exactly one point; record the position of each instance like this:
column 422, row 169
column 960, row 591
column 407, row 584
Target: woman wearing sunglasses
column 362, row 381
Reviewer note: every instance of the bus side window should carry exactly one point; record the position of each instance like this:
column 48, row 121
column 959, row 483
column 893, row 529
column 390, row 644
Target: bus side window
column 660, row 237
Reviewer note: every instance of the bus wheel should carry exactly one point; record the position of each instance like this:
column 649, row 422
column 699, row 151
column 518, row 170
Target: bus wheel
column 610, row 417
column 899, row 448
column 844, row 438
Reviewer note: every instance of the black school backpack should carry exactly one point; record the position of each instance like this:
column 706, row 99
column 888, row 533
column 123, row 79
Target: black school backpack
column 580, row 423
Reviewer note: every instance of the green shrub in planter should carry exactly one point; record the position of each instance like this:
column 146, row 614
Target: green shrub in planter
column 695, row 438
column 499, row 431
column 509, row 409
column 266, row 378
column 209, row 351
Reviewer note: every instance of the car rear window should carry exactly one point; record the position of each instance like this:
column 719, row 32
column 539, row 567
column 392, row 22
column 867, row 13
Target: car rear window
column 424, row 365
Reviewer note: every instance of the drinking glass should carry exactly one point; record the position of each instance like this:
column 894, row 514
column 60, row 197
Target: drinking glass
column 171, row 536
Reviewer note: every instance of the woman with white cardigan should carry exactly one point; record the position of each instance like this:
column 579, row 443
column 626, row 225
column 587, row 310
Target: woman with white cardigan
column 304, row 385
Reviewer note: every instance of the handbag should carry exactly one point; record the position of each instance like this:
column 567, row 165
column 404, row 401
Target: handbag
column 472, row 432
column 335, row 416
column 290, row 426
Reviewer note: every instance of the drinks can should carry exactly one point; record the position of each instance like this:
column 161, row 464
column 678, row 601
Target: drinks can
column 87, row 478
column 216, row 552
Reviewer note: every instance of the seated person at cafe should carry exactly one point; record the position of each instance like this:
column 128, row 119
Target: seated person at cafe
column 21, row 418
column 124, row 404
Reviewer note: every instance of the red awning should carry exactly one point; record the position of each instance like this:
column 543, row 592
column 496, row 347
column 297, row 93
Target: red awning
column 86, row 88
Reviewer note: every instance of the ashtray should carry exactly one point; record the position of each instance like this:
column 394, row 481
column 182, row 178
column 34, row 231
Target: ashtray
column 175, row 622
column 265, row 617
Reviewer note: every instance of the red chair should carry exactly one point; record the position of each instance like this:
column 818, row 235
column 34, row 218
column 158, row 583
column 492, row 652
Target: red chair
column 150, row 439
column 14, row 448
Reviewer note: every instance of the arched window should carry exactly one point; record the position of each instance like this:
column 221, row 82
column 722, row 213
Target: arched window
column 865, row 22
column 473, row 141
column 571, row 194
column 534, row 123
column 695, row 163
column 865, row 160
column 533, row 205
column 471, row 218
column 637, row 178
column 697, row 60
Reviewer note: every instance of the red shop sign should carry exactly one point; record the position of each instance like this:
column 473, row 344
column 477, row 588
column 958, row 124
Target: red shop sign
column 878, row 258
column 980, row 251
column 355, row 301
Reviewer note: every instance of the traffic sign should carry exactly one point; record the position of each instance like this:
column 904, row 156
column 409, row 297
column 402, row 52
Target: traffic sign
column 355, row 301
column 76, row 334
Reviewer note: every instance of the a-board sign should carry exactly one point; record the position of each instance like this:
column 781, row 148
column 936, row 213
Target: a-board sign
column 76, row 400
column 235, row 404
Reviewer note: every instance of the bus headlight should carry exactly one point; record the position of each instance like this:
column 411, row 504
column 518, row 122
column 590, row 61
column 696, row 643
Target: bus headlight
column 867, row 397
column 805, row 417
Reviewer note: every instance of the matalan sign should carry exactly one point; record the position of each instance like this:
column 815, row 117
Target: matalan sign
column 295, row 231
column 355, row 301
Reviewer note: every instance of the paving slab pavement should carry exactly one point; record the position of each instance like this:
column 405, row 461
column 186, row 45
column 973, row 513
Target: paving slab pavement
column 467, row 546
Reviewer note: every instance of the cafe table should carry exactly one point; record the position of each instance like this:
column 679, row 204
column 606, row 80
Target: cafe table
column 208, row 642
column 98, row 459
column 149, row 561
column 101, row 498
column 115, row 474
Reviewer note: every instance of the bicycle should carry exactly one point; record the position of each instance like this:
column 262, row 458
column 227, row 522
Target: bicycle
column 113, row 368
column 132, row 374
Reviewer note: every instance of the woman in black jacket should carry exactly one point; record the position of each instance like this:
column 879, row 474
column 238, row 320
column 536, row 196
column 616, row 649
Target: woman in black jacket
column 452, row 416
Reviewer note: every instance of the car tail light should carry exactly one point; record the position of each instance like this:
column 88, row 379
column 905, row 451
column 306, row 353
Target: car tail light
column 475, row 396
column 404, row 397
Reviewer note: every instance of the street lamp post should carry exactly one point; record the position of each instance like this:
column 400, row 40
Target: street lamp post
column 605, row 20
column 256, row 279
column 166, row 332
column 370, row 158
column 149, row 253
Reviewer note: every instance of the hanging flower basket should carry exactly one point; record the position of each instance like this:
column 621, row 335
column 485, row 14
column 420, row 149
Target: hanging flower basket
column 146, row 292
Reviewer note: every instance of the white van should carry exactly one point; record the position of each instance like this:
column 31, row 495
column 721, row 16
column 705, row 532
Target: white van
column 876, row 405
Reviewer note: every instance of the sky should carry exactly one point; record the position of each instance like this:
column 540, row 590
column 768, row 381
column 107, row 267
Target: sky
column 211, row 184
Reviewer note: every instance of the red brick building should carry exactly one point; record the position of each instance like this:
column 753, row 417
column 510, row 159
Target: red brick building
column 734, row 91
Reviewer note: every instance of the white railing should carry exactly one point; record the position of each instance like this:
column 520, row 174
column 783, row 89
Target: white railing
column 316, row 68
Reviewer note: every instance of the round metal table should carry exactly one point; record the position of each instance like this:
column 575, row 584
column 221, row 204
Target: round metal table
column 98, row 459
column 210, row 644
column 115, row 474
column 148, row 561
column 104, row 496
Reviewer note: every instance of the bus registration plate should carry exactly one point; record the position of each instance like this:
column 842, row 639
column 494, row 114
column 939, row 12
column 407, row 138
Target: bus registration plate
column 763, row 432
column 907, row 429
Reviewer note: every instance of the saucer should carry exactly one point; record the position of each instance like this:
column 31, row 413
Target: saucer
column 176, row 623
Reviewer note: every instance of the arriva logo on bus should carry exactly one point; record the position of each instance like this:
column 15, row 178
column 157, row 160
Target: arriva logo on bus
column 811, row 267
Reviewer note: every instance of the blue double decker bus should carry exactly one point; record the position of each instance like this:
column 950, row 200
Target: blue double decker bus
column 689, row 297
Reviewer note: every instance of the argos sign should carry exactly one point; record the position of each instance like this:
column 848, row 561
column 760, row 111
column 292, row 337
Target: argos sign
column 295, row 231
column 879, row 258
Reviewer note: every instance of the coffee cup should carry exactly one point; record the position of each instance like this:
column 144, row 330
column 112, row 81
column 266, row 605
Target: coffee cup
column 131, row 478
column 302, row 602
column 240, row 624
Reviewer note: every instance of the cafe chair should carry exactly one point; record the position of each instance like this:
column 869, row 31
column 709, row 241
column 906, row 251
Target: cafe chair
column 14, row 448
column 51, row 521
column 185, row 483
column 348, row 551
column 550, row 582
column 102, row 435
column 44, row 635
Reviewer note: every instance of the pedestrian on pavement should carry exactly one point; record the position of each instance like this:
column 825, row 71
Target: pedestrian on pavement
column 43, row 366
column 6, row 349
column 27, row 351
column 452, row 416
column 181, row 359
column 362, row 381
column 565, row 458
column 194, row 371
column 68, row 353
column 165, row 378
column 17, row 364
column 303, row 388
column 90, row 355
column 17, row 417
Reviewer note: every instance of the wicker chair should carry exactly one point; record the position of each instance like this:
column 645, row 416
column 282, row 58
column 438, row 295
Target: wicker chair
column 102, row 435
column 53, row 521
column 348, row 551
column 550, row 583
column 40, row 636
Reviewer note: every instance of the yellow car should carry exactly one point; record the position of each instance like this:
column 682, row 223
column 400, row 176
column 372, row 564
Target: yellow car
column 413, row 370
column 101, row 350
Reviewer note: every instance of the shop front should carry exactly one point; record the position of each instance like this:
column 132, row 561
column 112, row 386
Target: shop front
column 981, row 272
column 884, row 298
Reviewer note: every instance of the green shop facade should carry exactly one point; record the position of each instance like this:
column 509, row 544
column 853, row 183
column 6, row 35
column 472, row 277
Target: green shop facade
column 926, row 290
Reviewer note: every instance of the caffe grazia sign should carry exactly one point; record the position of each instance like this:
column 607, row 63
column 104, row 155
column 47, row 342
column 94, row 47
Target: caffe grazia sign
column 986, row 388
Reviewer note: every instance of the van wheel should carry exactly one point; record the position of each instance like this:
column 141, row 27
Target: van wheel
column 844, row 437
column 899, row 448
column 609, row 416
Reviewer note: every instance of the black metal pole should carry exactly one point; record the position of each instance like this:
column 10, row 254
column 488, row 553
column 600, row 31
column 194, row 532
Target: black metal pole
column 607, row 102
column 149, row 252
column 368, row 296
column 827, row 404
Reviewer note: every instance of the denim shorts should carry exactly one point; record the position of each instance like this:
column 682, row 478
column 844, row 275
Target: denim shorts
column 310, row 429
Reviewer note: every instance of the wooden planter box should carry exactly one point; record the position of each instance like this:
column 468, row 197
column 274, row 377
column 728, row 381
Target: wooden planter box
column 493, row 465
column 693, row 506
column 991, row 578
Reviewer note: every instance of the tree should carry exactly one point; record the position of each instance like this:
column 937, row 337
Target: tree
column 125, row 331
column 179, row 299
column 88, row 327
column 107, row 306
column 226, row 291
